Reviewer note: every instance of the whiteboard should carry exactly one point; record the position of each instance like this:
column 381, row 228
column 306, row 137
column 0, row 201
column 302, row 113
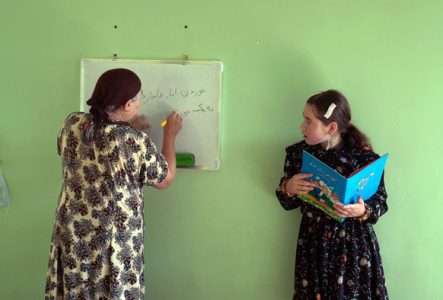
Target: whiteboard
column 192, row 88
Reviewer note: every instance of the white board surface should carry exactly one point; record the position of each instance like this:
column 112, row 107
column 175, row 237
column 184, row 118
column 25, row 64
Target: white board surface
column 193, row 88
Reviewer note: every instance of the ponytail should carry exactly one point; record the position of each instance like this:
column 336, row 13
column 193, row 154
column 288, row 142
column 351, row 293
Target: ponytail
column 99, row 115
column 352, row 137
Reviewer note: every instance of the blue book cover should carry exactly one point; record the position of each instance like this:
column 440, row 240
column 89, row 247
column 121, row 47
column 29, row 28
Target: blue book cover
column 331, row 186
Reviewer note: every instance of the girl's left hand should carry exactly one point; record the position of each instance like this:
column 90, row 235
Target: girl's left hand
column 351, row 210
column 138, row 122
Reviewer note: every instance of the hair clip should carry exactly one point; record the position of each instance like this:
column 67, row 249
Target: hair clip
column 330, row 110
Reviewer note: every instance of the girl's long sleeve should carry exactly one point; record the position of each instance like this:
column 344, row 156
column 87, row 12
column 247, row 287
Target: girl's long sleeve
column 292, row 166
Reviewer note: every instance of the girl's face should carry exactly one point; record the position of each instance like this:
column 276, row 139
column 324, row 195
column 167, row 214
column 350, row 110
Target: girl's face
column 313, row 130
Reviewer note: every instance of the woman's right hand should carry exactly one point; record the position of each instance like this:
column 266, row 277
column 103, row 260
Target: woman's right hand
column 173, row 124
column 298, row 185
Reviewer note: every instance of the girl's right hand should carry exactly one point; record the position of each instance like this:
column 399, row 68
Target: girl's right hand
column 298, row 184
column 173, row 124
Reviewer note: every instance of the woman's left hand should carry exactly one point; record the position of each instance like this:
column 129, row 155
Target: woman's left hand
column 138, row 122
column 350, row 210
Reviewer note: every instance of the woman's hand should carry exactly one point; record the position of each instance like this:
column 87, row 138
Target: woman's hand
column 173, row 124
column 138, row 122
column 350, row 210
column 298, row 184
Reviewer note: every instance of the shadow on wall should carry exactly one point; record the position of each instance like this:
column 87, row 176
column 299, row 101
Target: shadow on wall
column 293, row 79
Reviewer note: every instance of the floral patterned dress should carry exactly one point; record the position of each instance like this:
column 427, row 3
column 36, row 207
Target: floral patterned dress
column 97, row 244
column 336, row 260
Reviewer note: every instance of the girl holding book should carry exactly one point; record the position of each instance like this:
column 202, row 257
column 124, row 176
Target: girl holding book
column 334, row 260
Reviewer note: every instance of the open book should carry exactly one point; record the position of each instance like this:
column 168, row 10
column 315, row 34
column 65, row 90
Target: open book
column 331, row 186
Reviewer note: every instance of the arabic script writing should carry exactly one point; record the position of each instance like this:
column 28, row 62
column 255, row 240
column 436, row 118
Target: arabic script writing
column 201, row 108
column 153, row 95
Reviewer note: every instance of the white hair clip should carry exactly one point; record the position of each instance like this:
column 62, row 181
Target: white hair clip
column 330, row 110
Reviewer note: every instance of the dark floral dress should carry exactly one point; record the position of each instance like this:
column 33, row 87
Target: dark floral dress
column 97, row 244
column 336, row 260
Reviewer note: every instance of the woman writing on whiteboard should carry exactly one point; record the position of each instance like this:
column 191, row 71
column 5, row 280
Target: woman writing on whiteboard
column 97, row 244
column 334, row 260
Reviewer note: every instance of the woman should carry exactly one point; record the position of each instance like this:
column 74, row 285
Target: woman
column 97, row 244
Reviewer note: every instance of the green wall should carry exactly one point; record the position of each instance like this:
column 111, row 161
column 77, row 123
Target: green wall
column 222, row 235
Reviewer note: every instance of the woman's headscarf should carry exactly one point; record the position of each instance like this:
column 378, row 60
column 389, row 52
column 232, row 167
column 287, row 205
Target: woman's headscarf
column 112, row 90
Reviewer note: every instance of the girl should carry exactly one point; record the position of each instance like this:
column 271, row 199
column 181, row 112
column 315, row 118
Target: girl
column 334, row 260
column 97, row 244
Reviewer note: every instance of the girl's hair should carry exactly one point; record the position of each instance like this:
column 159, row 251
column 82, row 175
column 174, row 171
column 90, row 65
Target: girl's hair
column 350, row 135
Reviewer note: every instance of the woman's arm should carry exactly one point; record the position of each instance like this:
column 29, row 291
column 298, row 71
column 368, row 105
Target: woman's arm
column 170, row 132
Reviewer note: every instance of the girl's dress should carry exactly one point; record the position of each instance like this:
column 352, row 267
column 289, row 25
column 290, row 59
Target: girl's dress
column 336, row 260
column 97, row 243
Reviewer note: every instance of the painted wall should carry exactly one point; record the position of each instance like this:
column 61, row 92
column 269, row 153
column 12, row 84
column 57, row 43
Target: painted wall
column 222, row 235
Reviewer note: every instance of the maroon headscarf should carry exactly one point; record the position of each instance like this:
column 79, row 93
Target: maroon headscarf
column 113, row 89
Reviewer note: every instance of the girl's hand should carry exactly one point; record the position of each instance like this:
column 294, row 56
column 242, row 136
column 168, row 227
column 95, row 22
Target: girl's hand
column 350, row 210
column 173, row 124
column 298, row 185
column 138, row 122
